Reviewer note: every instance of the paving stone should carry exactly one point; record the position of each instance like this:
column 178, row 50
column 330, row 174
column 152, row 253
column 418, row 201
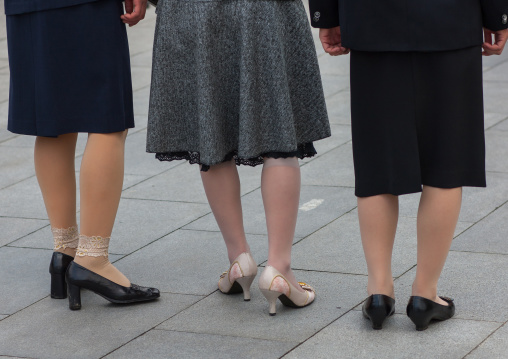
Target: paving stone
column 495, row 95
column 497, row 73
column 476, row 202
column 490, row 62
column 138, row 162
column 501, row 126
column 497, row 151
column 333, row 84
column 132, row 180
column 141, row 36
column 183, row 184
column 140, row 77
column 494, row 121
column 22, row 284
column 4, row 84
column 341, row 134
column 3, row 317
column 140, row 222
column 17, row 164
column 3, row 47
column 12, row 229
column 487, row 236
column 230, row 315
column 339, row 108
column 352, row 337
column 336, row 202
column 496, row 346
column 339, row 248
column 476, row 281
column 29, row 141
column 169, row 344
column 186, row 262
column 24, row 199
column 334, row 65
column 141, row 101
column 142, row 59
column 141, row 123
column 334, row 168
column 97, row 329
column 131, row 230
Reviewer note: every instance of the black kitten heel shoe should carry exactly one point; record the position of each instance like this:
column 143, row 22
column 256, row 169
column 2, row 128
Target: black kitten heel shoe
column 422, row 311
column 57, row 268
column 377, row 308
column 79, row 277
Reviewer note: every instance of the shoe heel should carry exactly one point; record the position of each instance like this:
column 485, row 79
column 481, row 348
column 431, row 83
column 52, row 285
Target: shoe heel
column 420, row 321
column 271, row 296
column 74, row 297
column 377, row 317
column 245, row 283
column 58, row 286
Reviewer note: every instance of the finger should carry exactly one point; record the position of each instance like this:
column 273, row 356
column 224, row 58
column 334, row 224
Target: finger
column 487, row 36
column 129, row 6
column 143, row 9
column 492, row 49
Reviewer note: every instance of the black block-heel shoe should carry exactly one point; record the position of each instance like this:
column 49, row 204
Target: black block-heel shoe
column 79, row 277
column 377, row 308
column 57, row 268
column 422, row 311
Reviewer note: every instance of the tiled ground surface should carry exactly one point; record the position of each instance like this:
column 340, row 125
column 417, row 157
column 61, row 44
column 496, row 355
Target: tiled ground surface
column 166, row 236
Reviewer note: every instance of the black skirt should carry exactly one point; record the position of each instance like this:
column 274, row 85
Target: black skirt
column 417, row 119
column 70, row 71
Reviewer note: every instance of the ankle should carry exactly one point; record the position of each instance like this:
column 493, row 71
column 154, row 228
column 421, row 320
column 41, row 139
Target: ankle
column 281, row 266
column 384, row 287
column 67, row 251
column 425, row 291
column 233, row 253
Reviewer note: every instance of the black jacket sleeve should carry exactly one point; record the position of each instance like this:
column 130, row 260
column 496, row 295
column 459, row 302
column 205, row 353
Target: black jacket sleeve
column 324, row 14
column 495, row 14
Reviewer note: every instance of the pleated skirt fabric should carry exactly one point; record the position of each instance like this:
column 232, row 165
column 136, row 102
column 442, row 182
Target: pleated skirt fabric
column 234, row 79
column 417, row 119
column 70, row 71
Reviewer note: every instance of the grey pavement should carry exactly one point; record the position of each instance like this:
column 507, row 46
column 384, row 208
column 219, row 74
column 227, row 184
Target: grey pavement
column 165, row 236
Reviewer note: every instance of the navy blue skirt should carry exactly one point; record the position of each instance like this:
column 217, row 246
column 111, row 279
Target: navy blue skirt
column 70, row 71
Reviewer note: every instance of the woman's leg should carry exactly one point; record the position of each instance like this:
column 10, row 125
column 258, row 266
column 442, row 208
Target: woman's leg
column 54, row 167
column 101, row 181
column 437, row 218
column 280, row 188
column 378, row 217
column 222, row 187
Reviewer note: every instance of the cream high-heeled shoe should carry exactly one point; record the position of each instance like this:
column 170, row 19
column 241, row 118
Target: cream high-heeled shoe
column 274, row 285
column 240, row 276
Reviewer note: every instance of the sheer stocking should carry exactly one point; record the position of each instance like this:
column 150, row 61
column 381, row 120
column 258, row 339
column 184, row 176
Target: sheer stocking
column 280, row 188
column 378, row 217
column 437, row 218
column 101, row 181
column 54, row 167
column 222, row 188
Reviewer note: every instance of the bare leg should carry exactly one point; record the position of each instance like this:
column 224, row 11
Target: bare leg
column 280, row 187
column 378, row 217
column 54, row 167
column 222, row 187
column 101, row 181
column 437, row 218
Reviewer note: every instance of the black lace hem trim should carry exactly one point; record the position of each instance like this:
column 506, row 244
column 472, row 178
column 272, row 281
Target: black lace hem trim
column 305, row 150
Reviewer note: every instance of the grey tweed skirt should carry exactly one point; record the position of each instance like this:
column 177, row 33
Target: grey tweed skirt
column 234, row 79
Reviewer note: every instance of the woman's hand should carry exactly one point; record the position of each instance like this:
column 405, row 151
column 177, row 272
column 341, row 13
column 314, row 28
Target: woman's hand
column 496, row 46
column 332, row 41
column 135, row 11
